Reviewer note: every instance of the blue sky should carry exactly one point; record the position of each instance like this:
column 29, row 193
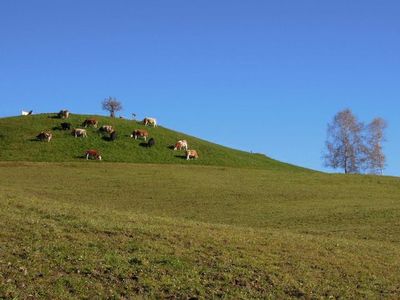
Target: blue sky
column 265, row 76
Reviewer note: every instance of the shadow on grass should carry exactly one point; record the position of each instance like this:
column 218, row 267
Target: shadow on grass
column 181, row 156
column 108, row 138
column 80, row 157
column 61, row 128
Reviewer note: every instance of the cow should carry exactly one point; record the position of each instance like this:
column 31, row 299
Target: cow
column 26, row 113
column 79, row 132
column 151, row 143
column 191, row 154
column 140, row 133
column 44, row 136
column 93, row 154
column 150, row 122
column 90, row 122
column 113, row 135
column 63, row 114
column 106, row 128
column 65, row 126
column 181, row 145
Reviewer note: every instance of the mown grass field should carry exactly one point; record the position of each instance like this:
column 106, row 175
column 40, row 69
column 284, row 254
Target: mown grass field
column 122, row 230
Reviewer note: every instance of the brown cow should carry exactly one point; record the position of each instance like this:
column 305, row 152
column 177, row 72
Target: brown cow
column 90, row 122
column 44, row 136
column 191, row 154
column 181, row 145
column 92, row 154
column 140, row 133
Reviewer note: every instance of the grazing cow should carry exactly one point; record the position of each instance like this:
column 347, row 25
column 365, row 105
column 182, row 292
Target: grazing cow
column 113, row 135
column 92, row 154
column 26, row 113
column 63, row 114
column 151, row 143
column 65, row 126
column 181, row 145
column 90, row 122
column 191, row 154
column 140, row 133
column 79, row 132
column 44, row 136
column 150, row 122
column 106, row 128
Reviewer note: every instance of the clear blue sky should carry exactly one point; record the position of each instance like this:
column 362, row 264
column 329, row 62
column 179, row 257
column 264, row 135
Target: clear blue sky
column 259, row 75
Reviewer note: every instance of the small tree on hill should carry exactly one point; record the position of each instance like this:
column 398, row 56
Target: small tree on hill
column 112, row 105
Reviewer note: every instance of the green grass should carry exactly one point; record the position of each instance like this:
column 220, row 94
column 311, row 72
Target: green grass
column 145, row 223
column 18, row 143
column 123, row 230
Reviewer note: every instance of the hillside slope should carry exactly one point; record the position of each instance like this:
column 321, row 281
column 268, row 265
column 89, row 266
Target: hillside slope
column 18, row 143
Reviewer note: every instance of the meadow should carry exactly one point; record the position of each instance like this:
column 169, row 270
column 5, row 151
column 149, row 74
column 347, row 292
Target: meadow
column 118, row 230
column 173, row 229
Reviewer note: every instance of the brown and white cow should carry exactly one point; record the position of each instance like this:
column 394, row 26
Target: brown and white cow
column 90, row 122
column 92, row 154
column 63, row 114
column 140, row 133
column 191, row 154
column 106, row 128
column 79, row 132
column 150, row 122
column 44, row 136
column 181, row 145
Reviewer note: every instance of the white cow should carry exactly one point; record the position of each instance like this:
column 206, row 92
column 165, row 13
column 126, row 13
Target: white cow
column 79, row 132
column 26, row 113
column 150, row 122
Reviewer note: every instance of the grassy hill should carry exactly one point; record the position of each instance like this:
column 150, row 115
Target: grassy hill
column 243, row 227
column 18, row 143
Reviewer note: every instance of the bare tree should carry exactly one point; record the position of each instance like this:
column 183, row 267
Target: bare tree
column 375, row 137
column 344, row 145
column 112, row 105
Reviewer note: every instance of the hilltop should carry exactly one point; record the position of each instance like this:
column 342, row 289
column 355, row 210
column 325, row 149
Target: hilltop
column 18, row 143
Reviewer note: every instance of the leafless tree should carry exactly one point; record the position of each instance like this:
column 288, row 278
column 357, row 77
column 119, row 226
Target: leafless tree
column 344, row 145
column 112, row 105
column 354, row 147
column 374, row 139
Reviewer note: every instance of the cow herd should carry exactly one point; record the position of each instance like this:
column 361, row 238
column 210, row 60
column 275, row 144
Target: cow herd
column 108, row 129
